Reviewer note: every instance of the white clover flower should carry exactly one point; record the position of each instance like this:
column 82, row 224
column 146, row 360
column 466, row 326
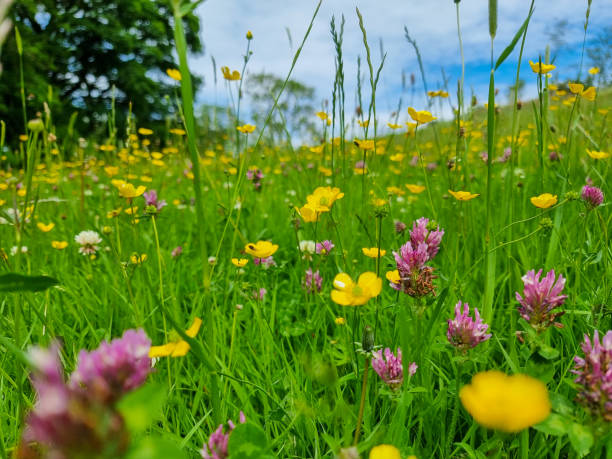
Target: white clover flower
column 88, row 240
column 24, row 249
column 308, row 246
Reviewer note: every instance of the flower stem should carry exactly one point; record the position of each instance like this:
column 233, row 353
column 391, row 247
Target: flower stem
column 364, row 387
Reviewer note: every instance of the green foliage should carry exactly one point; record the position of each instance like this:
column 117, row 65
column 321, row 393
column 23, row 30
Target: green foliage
column 75, row 52
column 15, row 282
column 248, row 441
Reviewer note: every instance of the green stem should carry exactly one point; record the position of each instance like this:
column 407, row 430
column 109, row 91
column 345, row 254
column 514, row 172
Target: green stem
column 364, row 387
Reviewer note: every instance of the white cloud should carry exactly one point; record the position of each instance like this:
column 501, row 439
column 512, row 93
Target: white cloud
column 432, row 23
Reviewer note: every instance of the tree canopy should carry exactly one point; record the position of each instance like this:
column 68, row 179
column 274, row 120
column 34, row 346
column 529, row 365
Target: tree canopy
column 76, row 51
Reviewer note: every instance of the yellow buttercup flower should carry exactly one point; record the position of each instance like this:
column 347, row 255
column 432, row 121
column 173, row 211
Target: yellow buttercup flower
column 138, row 259
column 322, row 115
column 59, row 245
column 317, row 149
column 372, row 252
column 543, row 69
column 231, row 76
column 177, row 131
column 308, row 213
column 506, row 403
column 416, row 189
column 177, row 348
column 340, row 321
column 463, row 195
column 261, row 249
column 349, row 293
column 578, row 88
column 240, row 262
column 597, row 154
column 363, row 124
column 111, row 170
column 398, row 157
column 174, row 74
column 323, row 197
column 145, row 131
column 544, row 201
column 385, row 452
column 594, row 70
column 129, row 191
column 364, row 144
column 394, row 126
column 393, row 276
column 421, row 117
column 246, row 128
column 45, row 228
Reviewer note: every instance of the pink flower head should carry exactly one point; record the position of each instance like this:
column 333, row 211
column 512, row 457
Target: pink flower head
column 421, row 234
column 114, row 368
column 218, row 441
column 312, row 281
column 151, row 199
column 463, row 331
column 260, row 294
column 540, row 298
column 67, row 422
column 324, row 247
column 389, row 368
column 265, row 262
column 594, row 375
column 411, row 258
column 592, row 196
column 400, row 227
column 177, row 251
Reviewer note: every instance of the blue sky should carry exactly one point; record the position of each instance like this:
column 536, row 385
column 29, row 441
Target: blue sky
column 432, row 23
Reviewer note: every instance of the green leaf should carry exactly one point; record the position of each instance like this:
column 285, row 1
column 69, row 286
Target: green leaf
column 15, row 282
column 248, row 441
column 506, row 52
column 142, row 407
column 18, row 41
column 548, row 352
column 555, row 424
column 189, row 7
column 155, row 448
column 581, row 439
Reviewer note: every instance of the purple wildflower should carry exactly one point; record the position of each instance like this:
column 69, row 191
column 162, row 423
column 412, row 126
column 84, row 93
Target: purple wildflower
column 463, row 331
column 360, row 165
column 114, row 368
column 218, row 441
column 506, row 156
column 67, row 422
column 484, row 156
column 324, row 247
column 265, row 262
column 554, row 156
column 260, row 294
column 540, row 298
column 595, row 375
column 313, row 281
column 412, row 368
column 421, row 234
column 389, row 368
column 400, row 227
column 151, row 199
column 255, row 175
column 592, row 196
column 177, row 251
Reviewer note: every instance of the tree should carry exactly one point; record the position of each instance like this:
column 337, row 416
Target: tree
column 76, row 51
column 599, row 52
column 296, row 105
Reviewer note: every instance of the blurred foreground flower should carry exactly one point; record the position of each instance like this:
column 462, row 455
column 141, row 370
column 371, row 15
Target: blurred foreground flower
column 385, row 452
column 174, row 74
column 594, row 373
column 507, row 403
column 540, row 298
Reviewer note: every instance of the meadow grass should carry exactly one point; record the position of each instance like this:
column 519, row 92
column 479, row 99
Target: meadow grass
column 285, row 359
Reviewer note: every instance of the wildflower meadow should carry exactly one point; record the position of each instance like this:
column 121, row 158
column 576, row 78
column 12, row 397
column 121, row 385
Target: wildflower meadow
column 215, row 283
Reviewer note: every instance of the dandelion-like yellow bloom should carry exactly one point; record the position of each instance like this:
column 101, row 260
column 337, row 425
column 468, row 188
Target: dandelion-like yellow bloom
column 246, row 128
column 544, row 201
column 416, row 189
column 231, row 76
column 240, row 262
column 538, row 67
column 385, row 452
column 506, row 403
column 45, row 228
column 177, row 348
column 350, row 293
column 372, row 252
column 59, row 245
column 261, row 249
column 174, row 74
column 421, row 117
column 463, row 195
column 597, row 154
